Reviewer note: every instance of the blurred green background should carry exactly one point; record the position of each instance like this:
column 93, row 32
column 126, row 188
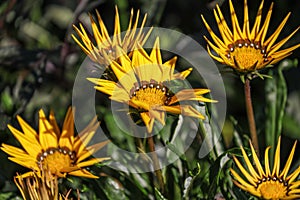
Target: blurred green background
column 39, row 60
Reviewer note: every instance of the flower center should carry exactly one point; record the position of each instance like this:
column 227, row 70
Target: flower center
column 151, row 93
column 272, row 188
column 247, row 54
column 56, row 159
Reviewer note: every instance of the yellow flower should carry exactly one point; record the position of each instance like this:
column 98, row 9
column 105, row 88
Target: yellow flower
column 244, row 50
column 55, row 150
column 143, row 83
column 36, row 187
column 105, row 48
column 265, row 183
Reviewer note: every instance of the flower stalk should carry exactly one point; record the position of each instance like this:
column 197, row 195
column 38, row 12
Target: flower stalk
column 250, row 115
column 156, row 165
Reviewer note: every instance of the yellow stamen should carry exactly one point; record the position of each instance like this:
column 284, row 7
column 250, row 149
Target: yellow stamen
column 56, row 159
column 273, row 189
column 151, row 96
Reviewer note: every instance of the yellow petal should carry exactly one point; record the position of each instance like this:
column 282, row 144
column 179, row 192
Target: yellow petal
column 184, row 74
column 117, row 29
column 47, row 135
column 27, row 129
column 83, row 173
column 53, row 122
column 32, row 147
column 149, row 122
column 257, row 162
column 246, row 26
column 25, row 163
column 262, row 34
column 249, row 165
column 14, row 151
column 269, row 43
column 103, row 29
column 288, row 162
column 276, row 166
column 92, row 162
column 67, row 136
column 256, row 26
column 88, row 151
column 267, row 164
column 244, row 185
column 249, row 177
column 158, row 114
column 155, row 55
column 215, row 38
column 237, row 33
column 282, row 42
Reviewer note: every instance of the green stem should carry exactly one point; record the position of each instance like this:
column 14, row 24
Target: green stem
column 156, row 164
column 250, row 115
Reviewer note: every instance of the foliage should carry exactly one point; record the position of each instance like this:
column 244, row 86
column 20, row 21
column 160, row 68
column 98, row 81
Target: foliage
column 38, row 66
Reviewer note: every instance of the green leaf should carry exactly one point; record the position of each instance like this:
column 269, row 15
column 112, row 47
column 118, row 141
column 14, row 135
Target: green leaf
column 188, row 182
column 6, row 195
column 291, row 127
column 112, row 188
column 276, row 96
column 7, row 103
column 158, row 195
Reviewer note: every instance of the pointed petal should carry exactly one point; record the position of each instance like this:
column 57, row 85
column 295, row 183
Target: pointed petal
column 67, row 136
column 215, row 38
column 183, row 75
column 168, row 69
column 243, row 184
column 246, row 26
column 225, row 36
column 283, row 53
column 47, row 135
column 293, row 176
column 267, row 164
column 249, row 177
column 288, row 162
column 158, row 114
column 117, row 29
column 257, row 162
column 249, row 165
column 237, row 33
column 53, row 122
column 149, row 122
column 256, row 25
column 276, row 166
column 88, row 151
column 215, row 57
column 81, row 143
column 282, row 42
column 25, row 163
column 27, row 129
column 83, row 173
column 226, row 29
column 262, row 34
column 92, row 162
column 105, row 35
column 32, row 147
column 269, row 43
column 155, row 55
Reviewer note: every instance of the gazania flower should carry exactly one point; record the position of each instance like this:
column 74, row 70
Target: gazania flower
column 244, row 50
column 143, row 83
column 266, row 183
column 55, row 150
column 104, row 48
column 38, row 188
